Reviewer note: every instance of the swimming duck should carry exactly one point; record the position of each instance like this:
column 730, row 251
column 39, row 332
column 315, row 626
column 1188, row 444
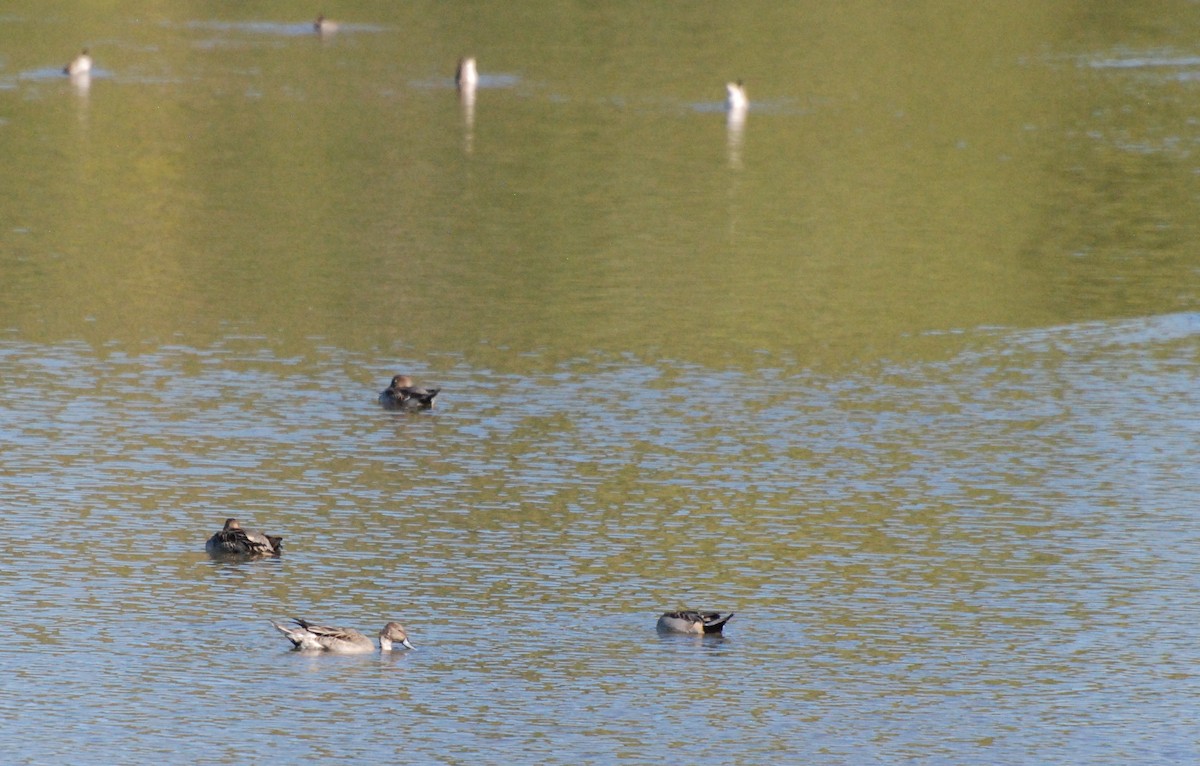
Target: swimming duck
column 233, row 540
column 308, row 637
column 324, row 26
column 689, row 621
column 465, row 74
column 735, row 99
column 403, row 395
column 81, row 64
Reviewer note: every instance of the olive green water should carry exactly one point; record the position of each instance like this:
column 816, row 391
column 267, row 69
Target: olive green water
column 901, row 370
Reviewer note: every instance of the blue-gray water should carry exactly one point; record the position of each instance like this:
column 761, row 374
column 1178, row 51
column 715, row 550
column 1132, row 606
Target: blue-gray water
column 988, row 558
column 901, row 370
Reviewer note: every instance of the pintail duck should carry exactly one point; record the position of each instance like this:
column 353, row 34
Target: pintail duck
column 465, row 74
column 688, row 621
column 324, row 26
column 403, row 395
column 735, row 99
column 308, row 637
column 81, row 64
column 233, row 540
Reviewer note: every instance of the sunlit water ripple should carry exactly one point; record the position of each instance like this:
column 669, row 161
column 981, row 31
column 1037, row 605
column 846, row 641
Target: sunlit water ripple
column 986, row 559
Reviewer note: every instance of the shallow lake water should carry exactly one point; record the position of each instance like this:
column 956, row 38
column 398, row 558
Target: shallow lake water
column 901, row 370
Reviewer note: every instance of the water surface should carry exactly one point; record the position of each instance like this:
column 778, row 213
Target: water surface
column 900, row 369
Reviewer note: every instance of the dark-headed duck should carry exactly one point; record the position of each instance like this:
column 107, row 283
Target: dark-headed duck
column 233, row 540
column 403, row 395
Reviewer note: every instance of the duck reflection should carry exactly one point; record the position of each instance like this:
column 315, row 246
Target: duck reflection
column 736, row 106
column 466, row 79
column 81, row 83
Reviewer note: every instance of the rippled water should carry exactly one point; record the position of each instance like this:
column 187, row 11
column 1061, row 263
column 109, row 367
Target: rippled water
column 990, row 558
column 900, row 368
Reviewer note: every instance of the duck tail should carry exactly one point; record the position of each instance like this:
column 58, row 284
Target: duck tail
column 716, row 627
column 286, row 630
column 276, row 543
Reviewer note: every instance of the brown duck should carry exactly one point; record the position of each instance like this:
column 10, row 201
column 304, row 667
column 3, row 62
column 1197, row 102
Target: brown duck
column 234, row 540
column 403, row 395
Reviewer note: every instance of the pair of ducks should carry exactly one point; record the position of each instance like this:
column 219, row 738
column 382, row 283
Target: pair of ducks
column 466, row 77
column 235, row 541
column 82, row 64
column 466, row 74
column 321, row 638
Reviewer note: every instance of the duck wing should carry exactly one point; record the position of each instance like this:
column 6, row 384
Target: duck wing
column 259, row 543
column 244, row 542
column 711, row 622
column 402, row 397
column 328, row 636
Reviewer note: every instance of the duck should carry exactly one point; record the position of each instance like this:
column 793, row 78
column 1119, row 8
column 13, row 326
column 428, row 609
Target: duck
column 324, row 26
column 735, row 98
column 81, row 64
column 465, row 74
column 690, row 621
column 403, row 395
column 308, row 637
column 234, row 540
